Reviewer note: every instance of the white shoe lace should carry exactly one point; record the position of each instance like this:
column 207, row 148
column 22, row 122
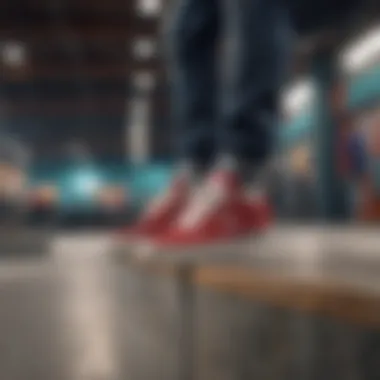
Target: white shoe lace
column 206, row 199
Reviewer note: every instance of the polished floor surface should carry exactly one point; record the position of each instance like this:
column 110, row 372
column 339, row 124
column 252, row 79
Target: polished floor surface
column 65, row 315
column 57, row 317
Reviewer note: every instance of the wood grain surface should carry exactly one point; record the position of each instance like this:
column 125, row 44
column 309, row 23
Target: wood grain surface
column 333, row 272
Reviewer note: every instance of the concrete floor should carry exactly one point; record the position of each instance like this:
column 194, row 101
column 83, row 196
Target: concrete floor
column 57, row 314
column 73, row 315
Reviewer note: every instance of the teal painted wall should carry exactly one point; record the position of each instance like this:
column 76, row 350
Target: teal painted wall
column 79, row 184
column 362, row 91
column 141, row 182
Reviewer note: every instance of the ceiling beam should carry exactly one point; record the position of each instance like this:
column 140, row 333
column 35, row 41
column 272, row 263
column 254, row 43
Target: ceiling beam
column 91, row 5
column 80, row 71
column 76, row 105
column 91, row 35
column 104, row 29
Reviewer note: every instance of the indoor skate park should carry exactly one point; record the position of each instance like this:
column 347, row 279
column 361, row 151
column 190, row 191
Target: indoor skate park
column 85, row 143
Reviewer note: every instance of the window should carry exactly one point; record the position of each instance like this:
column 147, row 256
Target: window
column 297, row 98
column 149, row 8
column 13, row 54
column 363, row 52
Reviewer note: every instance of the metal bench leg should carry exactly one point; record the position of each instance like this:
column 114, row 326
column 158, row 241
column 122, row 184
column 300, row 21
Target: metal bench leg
column 186, row 302
column 330, row 101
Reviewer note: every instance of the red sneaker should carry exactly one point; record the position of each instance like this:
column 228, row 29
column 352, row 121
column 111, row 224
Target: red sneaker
column 220, row 212
column 161, row 212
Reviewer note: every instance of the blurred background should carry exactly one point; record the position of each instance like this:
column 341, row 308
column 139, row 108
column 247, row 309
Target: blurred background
column 85, row 129
column 86, row 140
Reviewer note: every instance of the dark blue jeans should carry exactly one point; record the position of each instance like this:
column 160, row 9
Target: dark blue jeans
column 229, row 59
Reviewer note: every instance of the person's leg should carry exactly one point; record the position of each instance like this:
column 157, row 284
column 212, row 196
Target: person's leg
column 194, row 33
column 259, row 37
column 221, row 211
column 193, row 42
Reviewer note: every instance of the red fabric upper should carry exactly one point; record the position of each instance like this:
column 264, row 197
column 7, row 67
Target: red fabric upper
column 230, row 216
column 160, row 214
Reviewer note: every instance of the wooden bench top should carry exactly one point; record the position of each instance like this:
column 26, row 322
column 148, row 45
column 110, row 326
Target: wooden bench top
column 323, row 271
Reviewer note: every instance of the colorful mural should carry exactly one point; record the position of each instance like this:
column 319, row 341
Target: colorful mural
column 367, row 129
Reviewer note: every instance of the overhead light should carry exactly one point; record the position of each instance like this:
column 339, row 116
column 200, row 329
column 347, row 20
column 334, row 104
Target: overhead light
column 86, row 182
column 297, row 97
column 362, row 52
column 149, row 8
column 13, row 54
